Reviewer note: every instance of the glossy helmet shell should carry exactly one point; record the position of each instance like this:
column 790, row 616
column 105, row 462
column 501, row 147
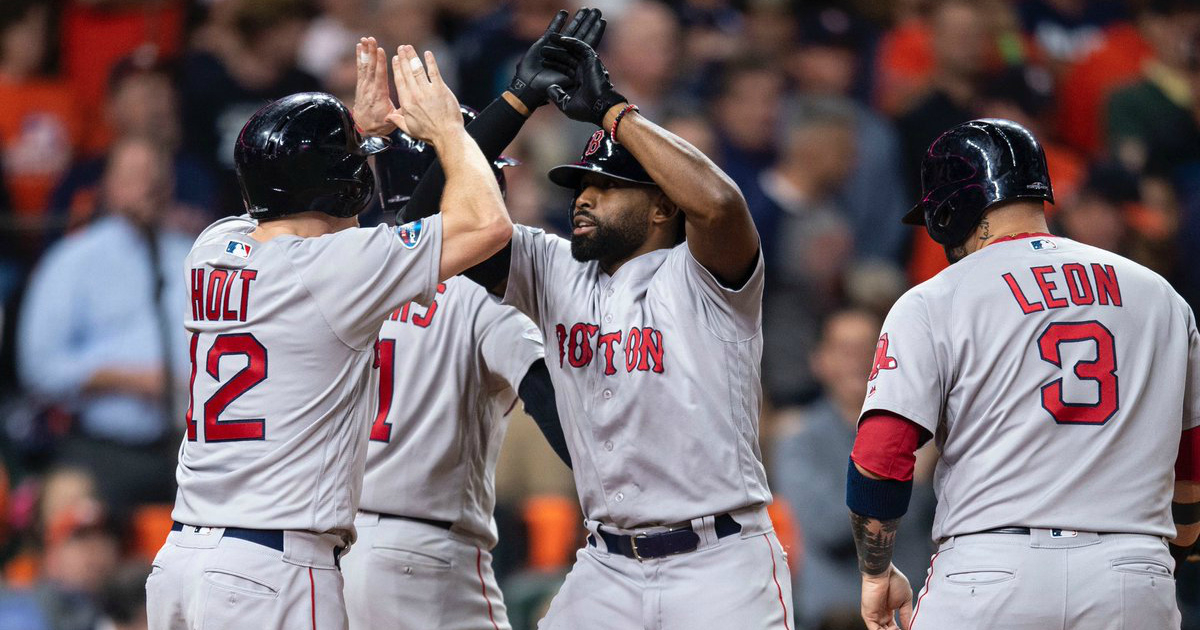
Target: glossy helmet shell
column 302, row 153
column 973, row 167
column 603, row 156
column 404, row 163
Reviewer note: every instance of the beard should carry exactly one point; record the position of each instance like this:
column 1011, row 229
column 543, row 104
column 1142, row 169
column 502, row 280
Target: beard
column 610, row 241
column 956, row 253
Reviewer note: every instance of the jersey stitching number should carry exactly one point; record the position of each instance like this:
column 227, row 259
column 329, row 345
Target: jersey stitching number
column 385, row 360
column 1102, row 370
column 254, row 372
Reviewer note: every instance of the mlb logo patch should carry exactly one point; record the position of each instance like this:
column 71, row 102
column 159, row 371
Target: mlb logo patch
column 237, row 248
column 410, row 233
column 1039, row 244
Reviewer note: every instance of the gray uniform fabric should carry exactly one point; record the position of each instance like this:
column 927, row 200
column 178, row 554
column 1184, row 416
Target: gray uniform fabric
column 656, row 373
column 448, row 378
column 1056, row 379
column 455, row 368
column 282, row 335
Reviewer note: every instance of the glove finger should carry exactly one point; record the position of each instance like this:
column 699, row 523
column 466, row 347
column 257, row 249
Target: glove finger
column 585, row 24
column 578, row 19
column 558, row 95
column 558, row 55
column 598, row 36
column 592, row 36
column 557, row 22
column 577, row 48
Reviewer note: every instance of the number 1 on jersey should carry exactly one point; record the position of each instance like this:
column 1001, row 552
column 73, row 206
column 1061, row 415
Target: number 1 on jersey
column 1102, row 370
column 385, row 360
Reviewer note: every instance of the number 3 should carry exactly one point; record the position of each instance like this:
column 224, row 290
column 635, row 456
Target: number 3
column 1102, row 370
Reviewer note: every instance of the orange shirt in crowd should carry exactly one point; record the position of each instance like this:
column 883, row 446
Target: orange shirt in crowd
column 1086, row 86
column 94, row 39
column 40, row 129
column 904, row 63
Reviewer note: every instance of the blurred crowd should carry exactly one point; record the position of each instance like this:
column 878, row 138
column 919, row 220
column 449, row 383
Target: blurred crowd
column 117, row 123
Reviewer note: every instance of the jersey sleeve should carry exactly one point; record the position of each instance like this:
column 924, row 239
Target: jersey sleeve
column 1191, row 392
column 508, row 341
column 731, row 314
column 358, row 276
column 906, row 378
column 537, row 258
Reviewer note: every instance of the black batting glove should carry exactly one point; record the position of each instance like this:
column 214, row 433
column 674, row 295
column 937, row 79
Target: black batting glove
column 533, row 79
column 592, row 94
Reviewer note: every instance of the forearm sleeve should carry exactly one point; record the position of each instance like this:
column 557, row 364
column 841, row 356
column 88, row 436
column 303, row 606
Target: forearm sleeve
column 493, row 130
column 537, row 393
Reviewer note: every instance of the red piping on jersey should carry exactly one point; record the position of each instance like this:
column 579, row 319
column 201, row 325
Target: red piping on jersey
column 1015, row 237
column 886, row 445
column 312, row 597
column 483, row 587
column 778, row 588
column 912, row 623
column 1187, row 466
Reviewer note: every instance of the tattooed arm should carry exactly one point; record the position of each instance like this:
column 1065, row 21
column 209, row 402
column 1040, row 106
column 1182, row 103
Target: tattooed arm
column 885, row 590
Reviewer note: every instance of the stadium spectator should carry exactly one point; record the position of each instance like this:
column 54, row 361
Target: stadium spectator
column 746, row 107
column 642, row 48
column 40, row 124
column 1069, row 30
column 1151, row 124
column 490, row 46
column 824, row 66
column 98, row 332
column 807, row 243
column 807, row 468
column 246, row 63
column 142, row 102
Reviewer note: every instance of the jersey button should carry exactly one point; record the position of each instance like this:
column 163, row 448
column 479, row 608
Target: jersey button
column 620, row 497
column 607, row 394
column 608, row 445
column 608, row 318
column 610, row 291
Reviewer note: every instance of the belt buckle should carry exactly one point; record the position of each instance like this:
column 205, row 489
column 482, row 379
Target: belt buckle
column 633, row 544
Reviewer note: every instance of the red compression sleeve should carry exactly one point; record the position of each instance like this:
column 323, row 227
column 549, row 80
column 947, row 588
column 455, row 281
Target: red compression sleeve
column 1187, row 466
column 886, row 445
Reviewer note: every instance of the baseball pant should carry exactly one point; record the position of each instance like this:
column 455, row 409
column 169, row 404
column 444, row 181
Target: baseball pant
column 741, row 581
column 204, row 580
column 1049, row 579
column 407, row 575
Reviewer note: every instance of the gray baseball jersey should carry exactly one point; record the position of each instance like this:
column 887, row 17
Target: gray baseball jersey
column 448, row 375
column 283, row 390
column 1056, row 378
column 656, row 373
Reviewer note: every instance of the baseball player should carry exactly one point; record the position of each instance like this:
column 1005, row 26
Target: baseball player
column 286, row 306
column 651, row 314
column 1060, row 382
column 449, row 375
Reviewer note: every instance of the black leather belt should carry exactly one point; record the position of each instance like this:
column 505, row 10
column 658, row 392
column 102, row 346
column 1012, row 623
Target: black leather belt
column 272, row 538
column 446, row 525
column 1008, row 530
column 668, row 543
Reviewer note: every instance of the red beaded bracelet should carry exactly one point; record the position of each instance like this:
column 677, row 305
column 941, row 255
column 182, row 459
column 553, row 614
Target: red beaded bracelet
column 617, row 121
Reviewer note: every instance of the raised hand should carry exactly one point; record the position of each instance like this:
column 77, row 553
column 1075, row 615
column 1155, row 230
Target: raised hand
column 372, row 96
column 533, row 79
column 592, row 94
column 428, row 109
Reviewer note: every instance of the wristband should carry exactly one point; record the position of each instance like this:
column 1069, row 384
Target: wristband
column 617, row 121
column 882, row 499
column 1185, row 513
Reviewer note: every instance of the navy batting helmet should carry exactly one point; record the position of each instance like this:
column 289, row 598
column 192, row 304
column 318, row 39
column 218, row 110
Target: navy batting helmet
column 603, row 156
column 302, row 153
column 403, row 165
column 973, row 167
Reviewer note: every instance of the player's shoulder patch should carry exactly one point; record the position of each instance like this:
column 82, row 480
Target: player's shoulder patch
column 410, row 233
column 237, row 248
